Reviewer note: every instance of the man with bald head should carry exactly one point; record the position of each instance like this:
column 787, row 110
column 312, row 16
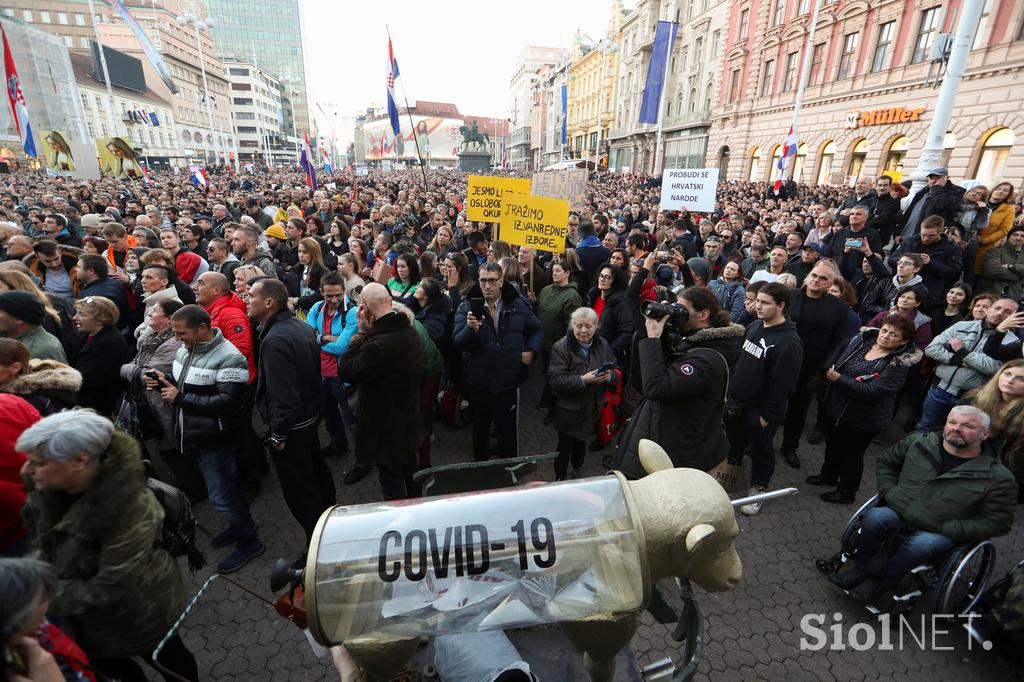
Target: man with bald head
column 385, row 361
column 289, row 364
column 18, row 246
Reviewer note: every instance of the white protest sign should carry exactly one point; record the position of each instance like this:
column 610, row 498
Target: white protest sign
column 689, row 188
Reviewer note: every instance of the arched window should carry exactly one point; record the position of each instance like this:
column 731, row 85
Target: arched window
column 994, row 152
column 773, row 172
column 858, row 154
column 798, row 162
column 693, row 100
column 894, row 159
column 755, row 165
column 708, row 90
column 828, row 153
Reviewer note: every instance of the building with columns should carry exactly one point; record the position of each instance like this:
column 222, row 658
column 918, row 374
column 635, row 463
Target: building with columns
column 692, row 83
column 869, row 102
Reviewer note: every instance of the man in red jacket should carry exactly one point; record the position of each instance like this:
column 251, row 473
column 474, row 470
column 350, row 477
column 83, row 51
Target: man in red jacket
column 18, row 416
column 227, row 313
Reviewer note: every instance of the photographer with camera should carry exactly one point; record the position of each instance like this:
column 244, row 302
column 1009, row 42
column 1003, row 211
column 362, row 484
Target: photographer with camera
column 683, row 368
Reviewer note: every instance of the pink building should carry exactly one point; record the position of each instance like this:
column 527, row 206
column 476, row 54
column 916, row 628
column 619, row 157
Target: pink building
column 867, row 107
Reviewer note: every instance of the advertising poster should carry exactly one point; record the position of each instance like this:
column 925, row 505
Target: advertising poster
column 60, row 158
column 439, row 139
column 118, row 159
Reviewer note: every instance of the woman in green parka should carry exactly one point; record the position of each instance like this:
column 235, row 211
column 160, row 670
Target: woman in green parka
column 91, row 516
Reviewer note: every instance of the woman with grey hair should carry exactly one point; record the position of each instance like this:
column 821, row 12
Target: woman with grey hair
column 578, row 374
column 42, row 651
column 90, row 515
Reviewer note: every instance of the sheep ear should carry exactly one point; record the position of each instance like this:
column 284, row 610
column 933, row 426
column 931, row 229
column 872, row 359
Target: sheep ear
column 652, row 456
column 696, row 536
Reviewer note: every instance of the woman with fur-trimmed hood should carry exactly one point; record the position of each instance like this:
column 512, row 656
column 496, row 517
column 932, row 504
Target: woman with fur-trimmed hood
column 48, row 385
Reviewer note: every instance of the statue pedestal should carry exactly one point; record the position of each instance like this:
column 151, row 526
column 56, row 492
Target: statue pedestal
column 474, row 162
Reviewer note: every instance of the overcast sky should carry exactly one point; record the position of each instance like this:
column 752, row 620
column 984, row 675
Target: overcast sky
column 456, row 51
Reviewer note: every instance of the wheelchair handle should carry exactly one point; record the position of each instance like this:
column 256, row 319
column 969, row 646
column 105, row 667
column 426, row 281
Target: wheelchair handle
column 764, row 497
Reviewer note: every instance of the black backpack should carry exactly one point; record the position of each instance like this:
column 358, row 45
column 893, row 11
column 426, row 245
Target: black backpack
column 178, row 533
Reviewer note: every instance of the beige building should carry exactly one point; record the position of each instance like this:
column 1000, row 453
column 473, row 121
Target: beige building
column 178, row 46
column 591, row 90
column 868, row 107
column 689, row 91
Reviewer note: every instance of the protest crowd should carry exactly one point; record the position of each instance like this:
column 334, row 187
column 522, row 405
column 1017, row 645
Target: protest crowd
column 205, row 335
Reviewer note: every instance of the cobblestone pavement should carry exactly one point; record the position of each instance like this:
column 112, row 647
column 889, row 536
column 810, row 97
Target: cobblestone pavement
column 752, row 633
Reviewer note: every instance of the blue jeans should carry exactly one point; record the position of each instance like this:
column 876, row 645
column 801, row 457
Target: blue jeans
column 335, row 410
column 218, row 467
column 920, row 547
column 937, row 405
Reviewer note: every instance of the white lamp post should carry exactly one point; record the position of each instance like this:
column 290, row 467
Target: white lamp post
column 191, row 19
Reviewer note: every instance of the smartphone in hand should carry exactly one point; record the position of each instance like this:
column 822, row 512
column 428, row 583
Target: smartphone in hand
column 476, row 306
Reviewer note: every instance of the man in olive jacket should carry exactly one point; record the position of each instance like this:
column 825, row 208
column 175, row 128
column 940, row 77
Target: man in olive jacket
column 941, row 493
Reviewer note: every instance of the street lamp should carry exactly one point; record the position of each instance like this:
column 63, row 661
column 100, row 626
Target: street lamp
column 199, row 25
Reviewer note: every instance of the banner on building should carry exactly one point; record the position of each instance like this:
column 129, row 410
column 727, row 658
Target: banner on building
column 484, row 194
column 538, row 222
column 689, row 188
column 570, row 185
column 60, row 158
column 118, row 159
column 152, row 54
column 664, row 38
column 439, row 139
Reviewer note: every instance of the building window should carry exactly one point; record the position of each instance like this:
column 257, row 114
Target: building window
column 79, row 19
column 44, row 18
column 779, row 15
column 83, row 41
column 62, row 18
column 26, row 14
column 805, row 7
column 91, row 128
column 846, row 61
column 925, row 34
column 85, row 100
column 713, row 50
column 238, row 72
column 104, row 131
column 744, row 23
column 593, row 142
column 858, row 155
column 885, row 34
column 698, row 52
column 994, row 153
column 894, row 159
column 8, row 12
column 774, row 171
column 734, row 85
column 982, row 34
column 817, row 59
column 69, row 41
column 755, row 165
column 767, row 78
column 789, row 81
column 828, row 153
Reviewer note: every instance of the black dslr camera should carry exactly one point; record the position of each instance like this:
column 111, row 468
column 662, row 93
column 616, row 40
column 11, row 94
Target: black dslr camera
column 657, row 310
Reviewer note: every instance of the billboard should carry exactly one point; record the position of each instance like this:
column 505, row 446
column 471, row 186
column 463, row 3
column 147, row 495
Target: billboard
column 117, row 158
column 60, row 159
column 439, row 139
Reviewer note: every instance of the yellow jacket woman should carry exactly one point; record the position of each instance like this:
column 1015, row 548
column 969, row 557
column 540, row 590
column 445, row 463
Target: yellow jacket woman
column 1000, row 203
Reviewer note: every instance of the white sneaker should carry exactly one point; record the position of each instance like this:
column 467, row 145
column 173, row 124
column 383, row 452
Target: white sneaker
column 754, row 507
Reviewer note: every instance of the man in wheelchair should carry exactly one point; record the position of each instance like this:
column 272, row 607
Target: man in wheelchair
column 936, row 492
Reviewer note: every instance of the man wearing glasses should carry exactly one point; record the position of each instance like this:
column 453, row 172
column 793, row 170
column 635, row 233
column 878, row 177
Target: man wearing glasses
column 499, row 336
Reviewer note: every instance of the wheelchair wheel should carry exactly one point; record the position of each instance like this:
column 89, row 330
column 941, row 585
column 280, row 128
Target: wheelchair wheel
column 848, row 541
column 964, row 578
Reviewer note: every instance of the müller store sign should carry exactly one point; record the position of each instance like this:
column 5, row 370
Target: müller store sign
column 858, row 119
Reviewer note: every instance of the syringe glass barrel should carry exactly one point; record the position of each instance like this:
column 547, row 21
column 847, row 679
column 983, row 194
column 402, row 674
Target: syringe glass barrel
column 497, row 559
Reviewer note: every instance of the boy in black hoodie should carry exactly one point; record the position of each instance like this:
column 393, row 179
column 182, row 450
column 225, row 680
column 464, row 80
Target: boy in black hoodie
column 762, row 380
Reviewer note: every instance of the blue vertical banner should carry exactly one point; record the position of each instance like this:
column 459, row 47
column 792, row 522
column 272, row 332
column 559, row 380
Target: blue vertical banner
column 565, row 113
column 664, row 39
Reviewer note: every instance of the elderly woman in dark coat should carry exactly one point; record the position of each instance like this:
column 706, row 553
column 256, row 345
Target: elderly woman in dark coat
column 90, row 514
column 578, row 386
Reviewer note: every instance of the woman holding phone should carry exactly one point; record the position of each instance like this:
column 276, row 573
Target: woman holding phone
column 580, row 369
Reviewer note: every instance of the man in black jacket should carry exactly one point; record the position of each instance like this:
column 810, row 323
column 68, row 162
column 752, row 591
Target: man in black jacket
column 289, row 364
column 941, row 197
column 761, row 383
column 385, row 361
column 821, row 322
column 862, row 195
column 886, row 210
column 845, row 244
column 943, row 260
column 209, row 380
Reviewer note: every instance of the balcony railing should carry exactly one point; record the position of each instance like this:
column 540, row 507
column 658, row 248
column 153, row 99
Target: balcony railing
column 689, row 118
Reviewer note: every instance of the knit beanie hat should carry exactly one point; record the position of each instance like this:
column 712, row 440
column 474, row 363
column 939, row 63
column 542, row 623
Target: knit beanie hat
column 23, row 306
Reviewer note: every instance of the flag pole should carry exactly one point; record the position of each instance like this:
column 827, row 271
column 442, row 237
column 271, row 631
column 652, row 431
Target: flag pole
column 659, row 145
column 790, row 166
column 412, row 125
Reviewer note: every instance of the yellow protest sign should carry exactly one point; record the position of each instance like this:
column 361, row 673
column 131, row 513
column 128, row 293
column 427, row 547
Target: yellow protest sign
column 484, row 192
column 538, row 222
